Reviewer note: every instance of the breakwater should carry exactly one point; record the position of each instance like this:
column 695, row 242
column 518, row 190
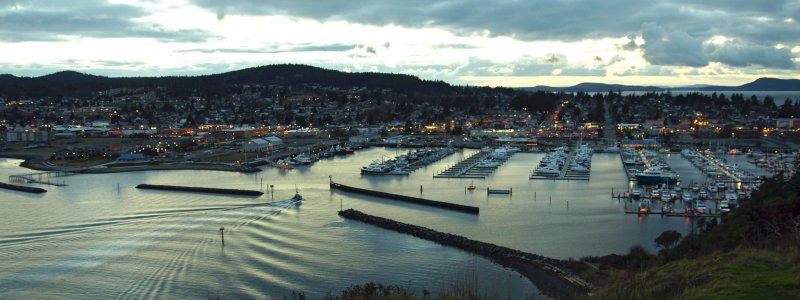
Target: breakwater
column 440, row 204
column 22, row 188
column 548, row 274
column 199, row 189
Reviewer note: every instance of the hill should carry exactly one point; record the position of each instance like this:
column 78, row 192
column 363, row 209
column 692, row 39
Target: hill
column 591, row 87
column 761, row 84
column 752, row 253
column 75, row 83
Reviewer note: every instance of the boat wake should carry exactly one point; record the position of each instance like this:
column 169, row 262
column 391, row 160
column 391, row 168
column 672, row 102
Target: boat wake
column 125, row 236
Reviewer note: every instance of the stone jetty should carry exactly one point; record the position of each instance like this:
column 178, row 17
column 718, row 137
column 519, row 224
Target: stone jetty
column 22, row 188
column 199, row 189
column 548, row 274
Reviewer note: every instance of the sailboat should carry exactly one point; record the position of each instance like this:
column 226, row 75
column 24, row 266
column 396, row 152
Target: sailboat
column 471, row 186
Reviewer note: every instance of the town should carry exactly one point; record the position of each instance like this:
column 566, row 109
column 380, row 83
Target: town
column 253, row 124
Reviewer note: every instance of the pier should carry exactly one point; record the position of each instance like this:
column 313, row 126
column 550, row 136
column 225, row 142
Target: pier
column 22, row 188
column 478, row 166
column 549, row 275
column 199, row 189
column 40, row 177
column 415, row 200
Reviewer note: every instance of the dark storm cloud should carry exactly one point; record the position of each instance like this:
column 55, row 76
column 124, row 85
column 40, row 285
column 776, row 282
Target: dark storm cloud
column 683, row 24
column 677, row 48
column 537, row 19
column 674, row 48
column 743, row 56
column 55, row 20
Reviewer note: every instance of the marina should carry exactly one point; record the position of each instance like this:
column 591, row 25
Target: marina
column 479, row 165
column 565, row 164
column 406, row 163
column 293, row 242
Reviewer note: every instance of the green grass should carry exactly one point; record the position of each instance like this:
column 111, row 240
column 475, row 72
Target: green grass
column 740, row 274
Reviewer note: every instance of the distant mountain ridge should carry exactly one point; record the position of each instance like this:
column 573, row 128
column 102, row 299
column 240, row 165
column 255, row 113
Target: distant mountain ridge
column 761, row 84
column 76, row 83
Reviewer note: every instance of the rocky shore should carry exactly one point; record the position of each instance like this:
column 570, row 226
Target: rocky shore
column 549, row 275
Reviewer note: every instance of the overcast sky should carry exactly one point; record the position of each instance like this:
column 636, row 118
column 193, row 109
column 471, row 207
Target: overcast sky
column 498, row 43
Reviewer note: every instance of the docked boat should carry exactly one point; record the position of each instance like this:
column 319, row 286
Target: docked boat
column 724, row 206
column 302, row 159
column 636, row 193
column 374, row 168
column 656, row 175
column 731, row 197
column 398, row 171
column 687, row 197
column 644, row 207
column 700, row 206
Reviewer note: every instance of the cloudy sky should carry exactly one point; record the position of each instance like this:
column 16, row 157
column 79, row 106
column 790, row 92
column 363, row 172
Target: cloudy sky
column 498, row 43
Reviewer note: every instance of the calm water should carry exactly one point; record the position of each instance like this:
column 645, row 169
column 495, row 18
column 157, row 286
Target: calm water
column 93, row 240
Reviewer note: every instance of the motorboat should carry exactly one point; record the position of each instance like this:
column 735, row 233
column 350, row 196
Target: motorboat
column 374, row 168
column 687, row 197
column 656, row 175
column 636, row 193
column 302, row 159
column 700, row 206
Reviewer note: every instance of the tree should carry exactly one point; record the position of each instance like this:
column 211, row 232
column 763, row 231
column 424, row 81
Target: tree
column 668, row 239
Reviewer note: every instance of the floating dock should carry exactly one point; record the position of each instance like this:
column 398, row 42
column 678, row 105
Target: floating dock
column 199, row 189
column 428, row 202
column 22, row 188
column 472, row 168
column 498, row 191
column 673, row 214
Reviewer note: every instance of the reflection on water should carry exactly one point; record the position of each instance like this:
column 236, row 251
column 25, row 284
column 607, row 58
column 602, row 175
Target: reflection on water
column 148, row 244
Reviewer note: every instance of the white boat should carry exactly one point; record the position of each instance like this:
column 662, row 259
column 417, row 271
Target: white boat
column 687, row 197
column 636, row 193
column 374, row 168
column 656, row 175
column 700, row 206
column 398, row 171
column 724, row 206
column 302, row 159
column 578, row 168
column 547, row 171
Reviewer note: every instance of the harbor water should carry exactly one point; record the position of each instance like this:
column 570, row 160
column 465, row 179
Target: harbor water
column 99, row 237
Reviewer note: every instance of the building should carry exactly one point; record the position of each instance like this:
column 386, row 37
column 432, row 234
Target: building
column 28, row 134
column 262, row 144
column 787, row 123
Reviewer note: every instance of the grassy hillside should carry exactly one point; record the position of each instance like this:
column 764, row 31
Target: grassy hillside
column 739, row 274
column 752, row 253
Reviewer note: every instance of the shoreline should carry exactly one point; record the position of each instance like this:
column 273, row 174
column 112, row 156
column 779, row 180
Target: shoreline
column 547, row 274
column 36, row 162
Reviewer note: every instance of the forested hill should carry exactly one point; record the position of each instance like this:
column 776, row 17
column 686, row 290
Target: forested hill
column 75, row 83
